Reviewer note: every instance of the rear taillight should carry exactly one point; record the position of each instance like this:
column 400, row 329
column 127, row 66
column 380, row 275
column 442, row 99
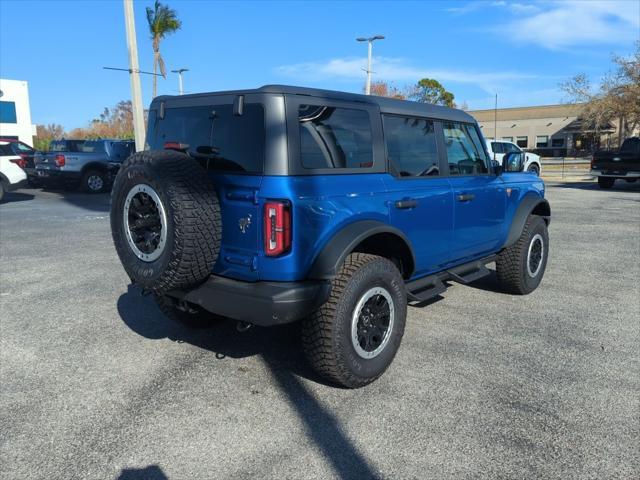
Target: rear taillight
column 21, row 162
column 277, row 228
column 60, row 160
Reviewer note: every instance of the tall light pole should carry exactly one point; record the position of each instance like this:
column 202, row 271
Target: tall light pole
column 134, row 76
column 179, row 72
column 370, row 40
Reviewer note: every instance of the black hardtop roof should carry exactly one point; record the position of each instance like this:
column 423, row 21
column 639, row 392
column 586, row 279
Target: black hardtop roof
column 386, row 105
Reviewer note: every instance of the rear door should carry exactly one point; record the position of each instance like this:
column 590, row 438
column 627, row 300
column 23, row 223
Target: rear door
column 231, row 148
column 479, row 195
column 421, row 202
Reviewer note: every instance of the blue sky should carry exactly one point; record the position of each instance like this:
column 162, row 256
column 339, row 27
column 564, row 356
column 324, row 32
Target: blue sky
column 521, row 50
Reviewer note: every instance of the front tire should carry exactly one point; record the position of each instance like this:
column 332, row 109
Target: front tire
column 521, row 266
column 353, row 338
column 533, row 168
column 606, row 182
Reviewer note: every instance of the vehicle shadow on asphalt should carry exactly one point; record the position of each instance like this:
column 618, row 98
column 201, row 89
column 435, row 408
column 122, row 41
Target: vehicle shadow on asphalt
column 96, row 202
column 152, row 472
column 12, row 197
column 281, row 351
column 619, row 186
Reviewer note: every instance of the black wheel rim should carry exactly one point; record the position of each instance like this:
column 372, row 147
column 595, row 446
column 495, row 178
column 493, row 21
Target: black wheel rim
column 535, row 255
column 372, row 322
column 145, row 222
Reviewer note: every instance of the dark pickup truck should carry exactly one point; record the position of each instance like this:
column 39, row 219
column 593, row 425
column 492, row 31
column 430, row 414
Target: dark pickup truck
column 621, row 164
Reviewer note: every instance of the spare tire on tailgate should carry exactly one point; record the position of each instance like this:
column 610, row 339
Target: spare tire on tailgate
column 165, row 220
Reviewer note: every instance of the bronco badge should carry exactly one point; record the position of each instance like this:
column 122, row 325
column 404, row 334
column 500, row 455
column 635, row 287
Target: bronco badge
column 244, row 223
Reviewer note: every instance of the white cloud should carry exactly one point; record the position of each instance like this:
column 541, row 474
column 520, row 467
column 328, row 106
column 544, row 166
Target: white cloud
column 397, row 69
column 577, row 23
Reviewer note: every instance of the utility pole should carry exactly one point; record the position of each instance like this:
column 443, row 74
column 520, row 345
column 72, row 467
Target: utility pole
column 179, row 72
column 134, row 76
column 370, row 41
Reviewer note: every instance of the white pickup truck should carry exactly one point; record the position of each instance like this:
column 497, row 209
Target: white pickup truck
column 498, row 149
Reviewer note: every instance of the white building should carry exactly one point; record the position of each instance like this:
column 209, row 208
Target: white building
column 15, row 114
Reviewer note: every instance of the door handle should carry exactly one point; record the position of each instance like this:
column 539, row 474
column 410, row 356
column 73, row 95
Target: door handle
column 410, row 203
column 465, row 197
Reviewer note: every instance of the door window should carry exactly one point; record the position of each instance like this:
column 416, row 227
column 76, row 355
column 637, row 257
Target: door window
column 465, row 154
column 510, row 147
column 332, row 137
column 411, row 146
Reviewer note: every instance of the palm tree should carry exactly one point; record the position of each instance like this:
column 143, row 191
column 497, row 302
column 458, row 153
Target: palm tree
column 162, row 21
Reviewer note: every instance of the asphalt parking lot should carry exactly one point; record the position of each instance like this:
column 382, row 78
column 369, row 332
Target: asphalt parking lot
column 96, row 384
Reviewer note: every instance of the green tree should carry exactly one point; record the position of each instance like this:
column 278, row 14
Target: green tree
column 429, row 90
column 45, row 134
column 162, row 21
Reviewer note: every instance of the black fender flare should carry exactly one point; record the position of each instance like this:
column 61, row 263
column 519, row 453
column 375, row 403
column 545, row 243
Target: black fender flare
column 327, row 263
column 527, row 206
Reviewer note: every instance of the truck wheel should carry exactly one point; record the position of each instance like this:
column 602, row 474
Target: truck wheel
column 94, row 181
column 533, row 168
column 354, row 336
column 165, row 221
column 521, row 266
column 185, row 313
column 1, row 190
column 606, row 182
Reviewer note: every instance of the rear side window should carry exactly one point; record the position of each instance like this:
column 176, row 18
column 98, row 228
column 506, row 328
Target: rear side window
column 411, row 146
column 334, row 137
column 74, row 146
column 497, row 147
column 465, row 154
column 214, row 135
column 5, row 150
column 92, row 147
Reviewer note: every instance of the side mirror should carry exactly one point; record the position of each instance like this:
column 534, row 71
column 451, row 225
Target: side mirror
column 513, row 162
column 497, row 167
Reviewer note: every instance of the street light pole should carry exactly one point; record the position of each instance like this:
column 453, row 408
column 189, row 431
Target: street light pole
column 179, row 72
column 134, row 76
column 370, row 41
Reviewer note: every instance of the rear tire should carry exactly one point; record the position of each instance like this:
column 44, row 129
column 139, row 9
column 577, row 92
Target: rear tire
column 606, row 182
column 521, row 266
column 354, row 336
column 165, row 221
column 94, row 181
column 1, row 190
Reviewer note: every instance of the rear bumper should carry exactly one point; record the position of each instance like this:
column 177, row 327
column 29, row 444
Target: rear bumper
column 258, row 303
column 45, row 175
column 10, row 187
column 610, row 174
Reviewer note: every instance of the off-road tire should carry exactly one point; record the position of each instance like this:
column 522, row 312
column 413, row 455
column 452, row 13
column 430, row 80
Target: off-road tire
column 87, row 186
column 326, row 334
column 194, row 225
column 606, row 182
column 189, row 315
column 511, row 264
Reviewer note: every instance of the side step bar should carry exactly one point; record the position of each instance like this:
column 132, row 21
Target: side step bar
column 431, row 286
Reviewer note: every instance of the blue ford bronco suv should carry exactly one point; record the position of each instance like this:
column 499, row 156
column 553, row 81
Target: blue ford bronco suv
column 285, row 204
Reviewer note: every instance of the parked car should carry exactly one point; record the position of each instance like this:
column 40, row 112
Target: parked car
column 281, row 204
column 498, row 149
column 89, row 164
column 623, row 164
column 26, row 154
column 11, row 175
